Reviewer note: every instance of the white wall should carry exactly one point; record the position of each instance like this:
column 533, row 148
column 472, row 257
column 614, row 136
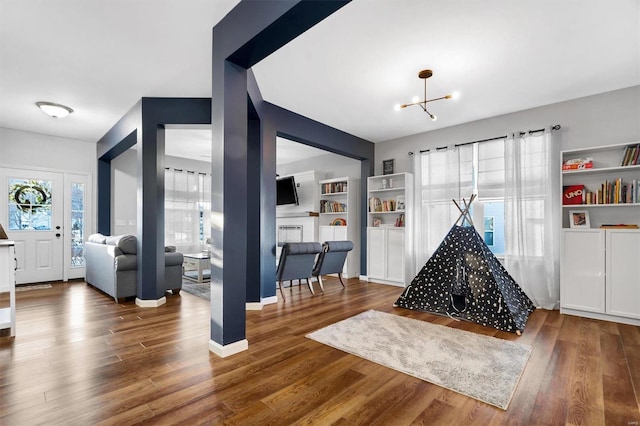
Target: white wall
column 603, row 119
column 34, row 150
column 330, row 165
column 124, row 193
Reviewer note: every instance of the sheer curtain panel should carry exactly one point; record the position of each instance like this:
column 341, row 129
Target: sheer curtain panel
column 187, row 209
column 441, row 176
column 532, row 216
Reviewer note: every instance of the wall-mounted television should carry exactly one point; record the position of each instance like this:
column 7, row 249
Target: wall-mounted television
column 286, row 191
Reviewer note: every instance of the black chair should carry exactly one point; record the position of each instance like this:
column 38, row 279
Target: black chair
column 331, row 260
column 296, row 263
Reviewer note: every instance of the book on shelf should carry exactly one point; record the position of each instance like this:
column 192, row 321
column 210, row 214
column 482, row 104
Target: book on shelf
column 613, row 192
column 375, row 204
column 620, row 226
column 327, row 206
column 578, row 164
column 631, row 156
column 334, row 187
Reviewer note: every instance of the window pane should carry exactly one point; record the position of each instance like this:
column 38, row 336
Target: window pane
column 29, row 204
column 77, row 225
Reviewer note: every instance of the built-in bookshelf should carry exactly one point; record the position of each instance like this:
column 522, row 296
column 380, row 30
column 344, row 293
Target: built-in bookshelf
column 339, row 218
column 600, row 255
column 389, row 229
column 604, row 182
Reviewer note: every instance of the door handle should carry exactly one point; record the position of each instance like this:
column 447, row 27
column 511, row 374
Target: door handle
column 58, row 227
column 58, row 235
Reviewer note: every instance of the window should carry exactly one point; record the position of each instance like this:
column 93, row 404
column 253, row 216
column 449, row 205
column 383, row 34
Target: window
column 29, row 205
column 187, row 209
column 77, row 224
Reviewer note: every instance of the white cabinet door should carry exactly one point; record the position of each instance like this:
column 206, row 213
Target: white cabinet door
column 395, row 254
column 325, row 233
column 582, row 273
column 340, row 233
column 623, row 273
column 376, row 253
column 336, row 233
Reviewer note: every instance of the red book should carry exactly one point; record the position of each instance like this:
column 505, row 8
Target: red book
column 572, row 194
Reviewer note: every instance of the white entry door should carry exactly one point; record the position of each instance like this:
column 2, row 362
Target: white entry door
column 31, row 212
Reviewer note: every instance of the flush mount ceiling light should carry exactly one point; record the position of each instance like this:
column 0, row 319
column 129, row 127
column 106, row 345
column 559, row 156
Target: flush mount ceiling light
column 54, row 110
column 424, row 75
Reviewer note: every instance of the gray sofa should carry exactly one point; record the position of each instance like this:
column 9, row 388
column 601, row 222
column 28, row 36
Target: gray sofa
column 111, row 264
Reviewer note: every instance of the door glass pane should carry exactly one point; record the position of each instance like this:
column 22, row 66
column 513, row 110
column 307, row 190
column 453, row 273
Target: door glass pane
column 29, row 204
column 77, row 225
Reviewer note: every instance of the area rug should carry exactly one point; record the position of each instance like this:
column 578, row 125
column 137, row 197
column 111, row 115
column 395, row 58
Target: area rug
column 28, row 287
column 481, row 367
column 197, row 289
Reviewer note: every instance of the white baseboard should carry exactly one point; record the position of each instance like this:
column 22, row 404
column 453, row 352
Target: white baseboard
column 253, row 306
column 228, row 350
column 364, row 278
column 151, row 303
column 269, row 300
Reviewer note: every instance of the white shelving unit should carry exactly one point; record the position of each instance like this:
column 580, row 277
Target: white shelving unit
column 606, row 167
column 600, row 268
column 390, row 229
column 339, row 218
column 8, row 285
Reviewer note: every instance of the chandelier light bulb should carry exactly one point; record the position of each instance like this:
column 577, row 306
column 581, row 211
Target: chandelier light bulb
column 397, row 107
column 433, row 117
column 415, row 99
column 455, row 95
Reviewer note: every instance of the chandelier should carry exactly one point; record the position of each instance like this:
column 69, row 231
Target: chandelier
column 424, row 75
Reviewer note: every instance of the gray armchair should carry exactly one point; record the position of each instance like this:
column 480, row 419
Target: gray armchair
column 296, row 263
column 331, row 260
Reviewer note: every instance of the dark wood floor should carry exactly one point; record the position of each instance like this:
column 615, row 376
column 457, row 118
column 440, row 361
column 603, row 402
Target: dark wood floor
column 79, row 358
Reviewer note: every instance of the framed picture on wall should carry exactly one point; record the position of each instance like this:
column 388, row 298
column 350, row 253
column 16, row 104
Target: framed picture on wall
column 579, row 219
column 387, row 167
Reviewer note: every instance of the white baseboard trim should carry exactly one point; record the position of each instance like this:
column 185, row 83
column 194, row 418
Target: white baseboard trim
column 253, row 306
column 269, row 300
column 151, row 303
column 364, row 278
column 228, row 350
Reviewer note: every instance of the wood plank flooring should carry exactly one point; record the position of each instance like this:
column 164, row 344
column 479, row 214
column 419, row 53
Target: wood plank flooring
column 81, row 359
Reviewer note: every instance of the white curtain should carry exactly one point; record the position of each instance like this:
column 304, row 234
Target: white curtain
column 532, row 203
column 440, row 176
column 187, row 209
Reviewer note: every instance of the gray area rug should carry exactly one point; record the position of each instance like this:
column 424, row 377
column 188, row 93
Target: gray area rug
column 481, row 367
column 201, row 290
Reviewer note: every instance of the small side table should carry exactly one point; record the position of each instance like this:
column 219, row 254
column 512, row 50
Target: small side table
column 196, row 267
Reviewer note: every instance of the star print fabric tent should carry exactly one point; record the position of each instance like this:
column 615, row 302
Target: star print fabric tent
column 463, row 279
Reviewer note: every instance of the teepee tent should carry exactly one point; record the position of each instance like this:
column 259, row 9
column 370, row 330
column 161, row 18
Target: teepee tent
column 464, row 279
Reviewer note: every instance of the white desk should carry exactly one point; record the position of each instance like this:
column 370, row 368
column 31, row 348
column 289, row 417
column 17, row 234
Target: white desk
column 8, row 285
column 196, row 267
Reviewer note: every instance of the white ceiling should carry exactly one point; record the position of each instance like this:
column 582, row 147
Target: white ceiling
column 99, row 57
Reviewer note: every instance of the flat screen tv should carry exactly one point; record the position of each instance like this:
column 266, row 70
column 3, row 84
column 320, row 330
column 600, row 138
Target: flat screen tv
column 286, row 191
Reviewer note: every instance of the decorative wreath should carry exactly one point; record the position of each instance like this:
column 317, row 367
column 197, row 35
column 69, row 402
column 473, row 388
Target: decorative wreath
column 20, row 195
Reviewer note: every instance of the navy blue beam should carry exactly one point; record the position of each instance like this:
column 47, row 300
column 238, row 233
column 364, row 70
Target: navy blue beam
column 254, row 178
column 247, row 34
column 156, row 113
column 119, row 138
column 229, row 180
column 310, row 132
column 293, row 22
column 267, row 195
column 144, row 125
